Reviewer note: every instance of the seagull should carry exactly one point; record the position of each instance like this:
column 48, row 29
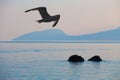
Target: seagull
column 45, row 16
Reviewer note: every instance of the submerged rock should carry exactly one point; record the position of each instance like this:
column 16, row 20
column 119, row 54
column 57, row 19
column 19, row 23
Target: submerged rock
column 75, row 58
column 95, row 58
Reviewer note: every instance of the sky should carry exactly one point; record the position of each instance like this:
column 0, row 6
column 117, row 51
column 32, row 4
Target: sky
column 78, row 17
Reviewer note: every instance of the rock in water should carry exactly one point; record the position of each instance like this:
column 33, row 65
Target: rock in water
column 75, row 58
column 95, row 58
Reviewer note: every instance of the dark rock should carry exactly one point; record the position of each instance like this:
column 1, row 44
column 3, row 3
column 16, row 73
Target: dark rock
column 75, row 58
column 95, row 58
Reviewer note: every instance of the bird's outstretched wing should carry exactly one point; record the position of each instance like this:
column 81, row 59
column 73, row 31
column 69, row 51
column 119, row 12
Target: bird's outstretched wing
column 58, row 17
column 32, row 9
column 42, row 10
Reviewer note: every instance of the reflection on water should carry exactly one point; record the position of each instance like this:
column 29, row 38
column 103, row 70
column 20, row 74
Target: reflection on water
column 46, row 61
column 95, row 71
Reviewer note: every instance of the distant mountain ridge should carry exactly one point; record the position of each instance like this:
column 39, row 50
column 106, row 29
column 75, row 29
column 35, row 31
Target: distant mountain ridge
column 57, row 34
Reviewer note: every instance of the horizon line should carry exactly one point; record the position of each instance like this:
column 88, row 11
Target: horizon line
column 62, row 41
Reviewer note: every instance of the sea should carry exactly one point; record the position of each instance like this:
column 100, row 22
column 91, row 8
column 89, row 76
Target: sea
column 49, row 61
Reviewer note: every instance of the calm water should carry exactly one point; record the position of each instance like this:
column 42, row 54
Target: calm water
column 48, row 61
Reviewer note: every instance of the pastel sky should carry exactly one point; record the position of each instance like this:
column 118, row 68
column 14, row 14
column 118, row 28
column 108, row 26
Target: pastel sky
column 78, row 17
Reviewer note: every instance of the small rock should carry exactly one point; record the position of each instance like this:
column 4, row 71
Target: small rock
column 95, row 58
column 75, row 58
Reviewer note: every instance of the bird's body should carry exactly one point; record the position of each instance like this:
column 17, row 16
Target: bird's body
column 46, row 17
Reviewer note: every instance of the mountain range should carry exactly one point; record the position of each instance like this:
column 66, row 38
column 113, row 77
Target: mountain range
column 57, row 34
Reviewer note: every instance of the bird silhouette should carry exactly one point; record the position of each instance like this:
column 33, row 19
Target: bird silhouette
column 45, row 16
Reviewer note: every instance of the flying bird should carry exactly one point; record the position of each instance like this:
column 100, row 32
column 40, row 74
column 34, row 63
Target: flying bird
column 45, row 16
